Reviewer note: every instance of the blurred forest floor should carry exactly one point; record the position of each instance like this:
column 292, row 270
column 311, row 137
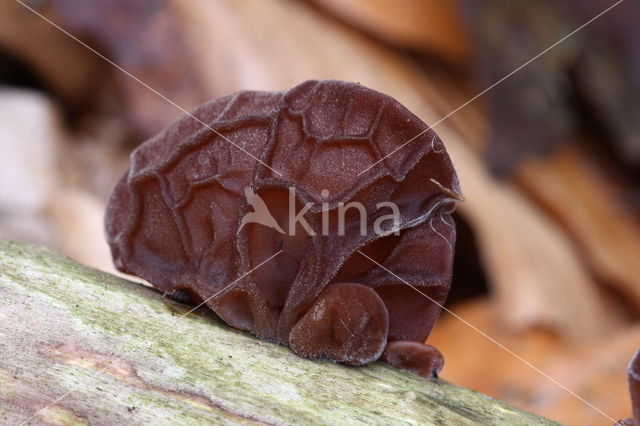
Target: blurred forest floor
column 547, row 258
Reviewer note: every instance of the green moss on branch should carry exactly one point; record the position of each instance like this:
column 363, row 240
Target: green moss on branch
column 129, row 358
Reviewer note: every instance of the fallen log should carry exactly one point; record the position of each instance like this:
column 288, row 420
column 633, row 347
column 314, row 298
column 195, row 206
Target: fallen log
column 120, row 353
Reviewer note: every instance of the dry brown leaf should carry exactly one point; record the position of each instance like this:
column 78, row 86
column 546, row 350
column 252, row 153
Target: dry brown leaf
column 596, row 371
column 533, row 266
column 432, row 26
column 570, row 184
column 146, row 39
column 577, row 191
column 69, row 69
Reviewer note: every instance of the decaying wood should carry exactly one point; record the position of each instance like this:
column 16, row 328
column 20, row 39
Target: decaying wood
column 129, row 356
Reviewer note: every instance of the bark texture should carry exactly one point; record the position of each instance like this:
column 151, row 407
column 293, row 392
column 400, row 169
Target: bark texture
column 128, row 356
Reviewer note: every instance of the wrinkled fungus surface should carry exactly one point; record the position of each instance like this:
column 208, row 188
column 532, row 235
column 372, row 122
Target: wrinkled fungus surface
column 179, row 218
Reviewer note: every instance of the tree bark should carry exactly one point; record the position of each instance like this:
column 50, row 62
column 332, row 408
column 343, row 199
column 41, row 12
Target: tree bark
column 120, row 353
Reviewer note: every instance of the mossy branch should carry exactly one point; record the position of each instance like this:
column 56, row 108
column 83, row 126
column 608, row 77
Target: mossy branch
column 126, row 356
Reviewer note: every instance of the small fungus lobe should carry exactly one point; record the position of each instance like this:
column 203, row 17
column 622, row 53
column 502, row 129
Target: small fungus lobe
column 633, row 373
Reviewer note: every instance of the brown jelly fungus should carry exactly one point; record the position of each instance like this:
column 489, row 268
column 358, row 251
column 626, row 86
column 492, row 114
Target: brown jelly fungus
column 362, row 259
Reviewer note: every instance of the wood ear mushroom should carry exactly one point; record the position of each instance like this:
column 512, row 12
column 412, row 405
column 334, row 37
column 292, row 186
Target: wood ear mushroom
column 190, row 216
